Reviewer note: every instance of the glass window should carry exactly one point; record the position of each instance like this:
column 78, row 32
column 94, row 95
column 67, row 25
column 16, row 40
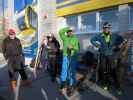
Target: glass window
column 131, row 37
column 72, row 21
column 111, row 16
column 32, row 18
column 131, row 18
column 88, row 23
column 83, row 23
column 21, row 23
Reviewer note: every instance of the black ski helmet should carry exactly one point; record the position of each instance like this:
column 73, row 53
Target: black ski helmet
column 106, row 25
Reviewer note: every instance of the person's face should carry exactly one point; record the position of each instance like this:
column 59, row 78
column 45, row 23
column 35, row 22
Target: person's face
column 106, row 30
column 50, row 38
column 45, row 41
column 70, row 33
column 44, row 38
column 12, row 35
column 52, row 35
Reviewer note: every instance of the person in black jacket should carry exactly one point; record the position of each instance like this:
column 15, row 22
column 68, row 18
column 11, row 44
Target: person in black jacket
column 44, row 53
column 12, row 51
column 53, row 52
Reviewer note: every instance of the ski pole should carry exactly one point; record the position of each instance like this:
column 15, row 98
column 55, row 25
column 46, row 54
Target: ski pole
column 97, row 68
column 69, row 64
column 37, row 61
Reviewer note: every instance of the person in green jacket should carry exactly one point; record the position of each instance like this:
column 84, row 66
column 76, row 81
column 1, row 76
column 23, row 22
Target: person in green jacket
column 70, row 49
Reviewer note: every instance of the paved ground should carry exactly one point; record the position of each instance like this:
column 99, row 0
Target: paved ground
column 43, row 89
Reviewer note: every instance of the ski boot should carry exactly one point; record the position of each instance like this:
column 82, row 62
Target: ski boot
column 105, row 87
column 62, row 87
column 70, row 91
column 119, row 91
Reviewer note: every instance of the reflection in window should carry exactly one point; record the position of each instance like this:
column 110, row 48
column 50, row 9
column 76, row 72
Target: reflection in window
column 72, row 21
column 83, row 23
column 111, row 16
column 88, row 23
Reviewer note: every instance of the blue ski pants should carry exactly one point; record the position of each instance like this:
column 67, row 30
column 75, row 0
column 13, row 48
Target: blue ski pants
column 68, row 72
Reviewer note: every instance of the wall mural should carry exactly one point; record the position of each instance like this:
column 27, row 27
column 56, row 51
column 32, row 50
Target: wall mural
column 28, row 26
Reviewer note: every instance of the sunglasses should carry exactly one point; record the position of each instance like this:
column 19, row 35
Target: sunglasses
column 106, row 27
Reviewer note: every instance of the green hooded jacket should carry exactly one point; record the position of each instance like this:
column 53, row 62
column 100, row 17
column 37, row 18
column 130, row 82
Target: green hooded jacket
column 73, row 40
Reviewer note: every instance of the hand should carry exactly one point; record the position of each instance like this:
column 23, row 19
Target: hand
column 116, row 48
column 70, row 47
column 98, row 44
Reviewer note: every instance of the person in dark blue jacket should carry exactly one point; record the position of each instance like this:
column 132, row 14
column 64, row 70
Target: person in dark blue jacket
column 109, row 45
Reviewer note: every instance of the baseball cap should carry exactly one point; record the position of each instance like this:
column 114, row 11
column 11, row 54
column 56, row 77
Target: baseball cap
column 11, row 32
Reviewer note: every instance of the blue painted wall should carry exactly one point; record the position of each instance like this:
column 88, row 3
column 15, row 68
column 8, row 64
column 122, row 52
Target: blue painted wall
column 21, row 4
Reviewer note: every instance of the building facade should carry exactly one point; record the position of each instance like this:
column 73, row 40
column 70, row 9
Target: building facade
column 87, row 16
column 32, row 18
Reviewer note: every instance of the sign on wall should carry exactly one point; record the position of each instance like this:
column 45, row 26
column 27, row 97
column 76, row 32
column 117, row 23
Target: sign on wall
column 28, row 26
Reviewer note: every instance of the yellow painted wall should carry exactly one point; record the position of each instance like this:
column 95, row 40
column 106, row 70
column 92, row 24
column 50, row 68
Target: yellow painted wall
column 89, row 6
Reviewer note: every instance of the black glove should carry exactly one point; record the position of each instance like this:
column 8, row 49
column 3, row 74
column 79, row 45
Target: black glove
column 69, row 51
column 116, row 49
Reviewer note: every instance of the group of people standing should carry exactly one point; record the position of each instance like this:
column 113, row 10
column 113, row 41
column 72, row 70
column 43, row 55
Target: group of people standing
column 52, row 57
column 108, row 44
